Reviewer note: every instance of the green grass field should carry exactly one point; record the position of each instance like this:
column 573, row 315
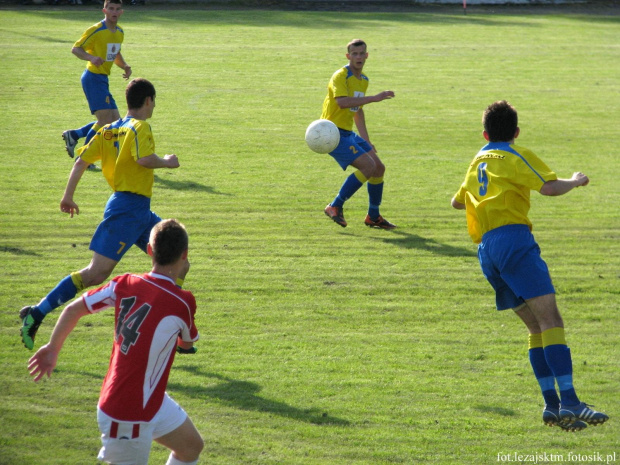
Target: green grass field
column 321, row 345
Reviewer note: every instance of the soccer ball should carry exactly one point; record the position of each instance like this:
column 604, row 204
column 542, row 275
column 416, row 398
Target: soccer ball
column 322, row 136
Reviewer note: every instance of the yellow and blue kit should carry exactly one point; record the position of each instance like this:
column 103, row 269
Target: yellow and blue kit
column 343, row 83
column 496, row 190
column 99, row 41
column 496, row 193
column 119, row 145
column 127, row 218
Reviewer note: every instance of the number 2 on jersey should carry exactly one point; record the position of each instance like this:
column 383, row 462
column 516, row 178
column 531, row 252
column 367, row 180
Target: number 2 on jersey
column 483, row 179
column 128, row 326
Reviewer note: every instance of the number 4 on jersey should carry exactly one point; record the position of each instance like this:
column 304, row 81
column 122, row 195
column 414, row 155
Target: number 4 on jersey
column 128, row 327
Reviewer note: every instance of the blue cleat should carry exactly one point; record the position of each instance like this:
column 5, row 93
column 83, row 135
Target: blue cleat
column 551, row 417
column 583, row 412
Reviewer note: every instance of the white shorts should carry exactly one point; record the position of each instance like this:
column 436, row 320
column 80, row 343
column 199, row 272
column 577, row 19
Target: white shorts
column 126, row 443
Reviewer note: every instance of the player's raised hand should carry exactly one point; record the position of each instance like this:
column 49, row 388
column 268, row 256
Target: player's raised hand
column 42, row 363
column 69, row 206
column 582, row 179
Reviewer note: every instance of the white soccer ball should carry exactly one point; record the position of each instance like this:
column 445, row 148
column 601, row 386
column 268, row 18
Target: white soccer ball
column 322, row 136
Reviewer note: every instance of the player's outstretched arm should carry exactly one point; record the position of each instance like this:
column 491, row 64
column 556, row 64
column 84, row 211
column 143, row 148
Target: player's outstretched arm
column 350, row 102
column 562, row 186
column 44, row 360
column 67, row 205
column 154, row 161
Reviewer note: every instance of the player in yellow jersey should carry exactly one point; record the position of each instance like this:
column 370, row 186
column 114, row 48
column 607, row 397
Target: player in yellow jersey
column 343, row 105
column 100, row 46
column 496, row 198
column 127, row 153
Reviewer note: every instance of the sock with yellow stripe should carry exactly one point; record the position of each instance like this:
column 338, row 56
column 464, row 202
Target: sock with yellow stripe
column 375, row 194
column 559, row 360
column 543, row 373
column 64, row 291
column 91, row 133
column 350, row 186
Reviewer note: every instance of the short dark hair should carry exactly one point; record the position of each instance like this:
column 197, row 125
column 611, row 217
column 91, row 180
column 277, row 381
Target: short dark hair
column 168, row 241
column 500, row 121
column 355, row 43
column 119, row 2
column 137, row 91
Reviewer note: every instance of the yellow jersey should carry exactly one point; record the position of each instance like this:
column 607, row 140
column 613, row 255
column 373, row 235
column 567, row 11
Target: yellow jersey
column 119, row 145
column 343, row 83
column 98, row 40
column 497, row 186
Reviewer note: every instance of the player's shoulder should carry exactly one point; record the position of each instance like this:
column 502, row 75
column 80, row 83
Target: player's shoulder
column 524, row 151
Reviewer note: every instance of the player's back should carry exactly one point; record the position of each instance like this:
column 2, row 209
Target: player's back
column 497, row 187
column 151, row 312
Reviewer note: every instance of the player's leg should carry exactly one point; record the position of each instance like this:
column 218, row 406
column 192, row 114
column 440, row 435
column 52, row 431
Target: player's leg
column 185, row 443
column 543, row 373
column 558, row 356
column 175, row 430
column 375, row 195
column 95, row 273
column 349, row 153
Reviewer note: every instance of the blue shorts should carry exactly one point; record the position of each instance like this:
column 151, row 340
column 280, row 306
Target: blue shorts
column 510, row 260
column 127, row 220
column 351, row 146
column 97, row 90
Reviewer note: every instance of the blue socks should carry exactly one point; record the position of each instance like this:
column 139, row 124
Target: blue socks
column 375, row 194
column 82, row 132
column 543, row 373
column 551, row 361
column 351, row 186
column 64, row 291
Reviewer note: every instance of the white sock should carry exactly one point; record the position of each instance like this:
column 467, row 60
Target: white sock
column 174, row 461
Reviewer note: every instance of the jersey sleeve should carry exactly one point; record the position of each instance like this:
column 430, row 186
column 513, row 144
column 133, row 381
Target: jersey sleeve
column 460, row 194
column 190, row 333
column 144, row 143
column 100, row 298
column 82, row 42
column 92, row 152
column 339, row 84
column 533, row 173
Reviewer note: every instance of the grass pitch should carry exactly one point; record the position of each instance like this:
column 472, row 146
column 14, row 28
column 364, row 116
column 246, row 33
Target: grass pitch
column 321, row 345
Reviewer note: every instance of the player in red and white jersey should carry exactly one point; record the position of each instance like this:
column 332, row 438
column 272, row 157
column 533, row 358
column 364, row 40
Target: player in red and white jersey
column 153, row 318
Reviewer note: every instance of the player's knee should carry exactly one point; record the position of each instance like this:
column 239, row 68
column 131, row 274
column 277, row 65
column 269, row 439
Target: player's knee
column 192, row 449
column 379, row 170
column 94, row 277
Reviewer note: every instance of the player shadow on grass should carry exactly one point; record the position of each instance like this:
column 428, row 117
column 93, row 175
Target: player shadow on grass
column 413, row 241
column 17, row 251
column 503, row 411
column 244, row 395
column 187, row 185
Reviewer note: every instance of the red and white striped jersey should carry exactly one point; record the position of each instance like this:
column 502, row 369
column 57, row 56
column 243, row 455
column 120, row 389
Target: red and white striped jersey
column 151, row 311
